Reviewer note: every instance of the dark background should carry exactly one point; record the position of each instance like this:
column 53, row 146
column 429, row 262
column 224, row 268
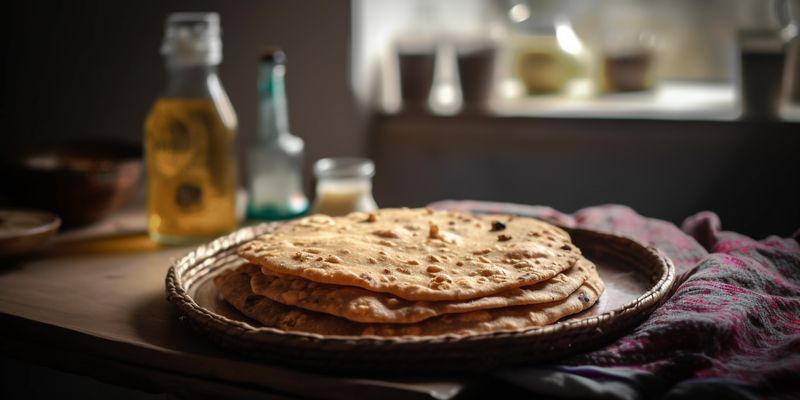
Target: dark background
column 93, row 68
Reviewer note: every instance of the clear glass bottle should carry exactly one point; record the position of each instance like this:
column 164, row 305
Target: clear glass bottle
column 344, row 185
column 276, row 157
column 189, row 138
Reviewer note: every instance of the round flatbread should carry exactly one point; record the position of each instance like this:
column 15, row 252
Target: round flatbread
column 234, row 285
column 417, row 254
column 361, row 305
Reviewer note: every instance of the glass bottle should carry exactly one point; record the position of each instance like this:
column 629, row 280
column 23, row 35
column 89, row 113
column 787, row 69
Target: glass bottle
column 276, row 158
column 344, row 185
column 190, row 138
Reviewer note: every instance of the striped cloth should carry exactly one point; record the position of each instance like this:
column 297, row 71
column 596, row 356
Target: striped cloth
column 730, row 328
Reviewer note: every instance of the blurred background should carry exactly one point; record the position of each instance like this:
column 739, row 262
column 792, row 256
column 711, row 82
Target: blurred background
column 667, row 106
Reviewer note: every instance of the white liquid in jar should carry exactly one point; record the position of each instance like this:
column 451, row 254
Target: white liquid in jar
column 341, row 197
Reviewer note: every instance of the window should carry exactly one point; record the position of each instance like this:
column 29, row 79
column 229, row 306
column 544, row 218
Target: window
column 576, row 58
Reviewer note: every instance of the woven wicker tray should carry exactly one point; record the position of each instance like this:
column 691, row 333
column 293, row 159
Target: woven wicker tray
column 637, row 278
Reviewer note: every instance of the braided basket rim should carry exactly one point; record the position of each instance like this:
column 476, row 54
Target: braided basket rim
column 562, row 338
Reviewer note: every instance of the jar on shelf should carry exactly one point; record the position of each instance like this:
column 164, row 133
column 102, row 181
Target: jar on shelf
column 549, row 56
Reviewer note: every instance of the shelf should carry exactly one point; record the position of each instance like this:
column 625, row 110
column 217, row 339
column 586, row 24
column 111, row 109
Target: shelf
column 669, row 100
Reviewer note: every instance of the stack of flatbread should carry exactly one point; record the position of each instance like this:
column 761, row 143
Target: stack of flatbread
column 420, row 272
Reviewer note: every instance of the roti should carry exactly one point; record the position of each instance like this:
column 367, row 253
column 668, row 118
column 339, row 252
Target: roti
column 234, row 286
column 417, row 254
column 361, row 305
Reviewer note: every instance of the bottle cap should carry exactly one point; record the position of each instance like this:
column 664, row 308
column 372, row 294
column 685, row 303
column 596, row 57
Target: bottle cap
column 273, row 54
column 192, row 38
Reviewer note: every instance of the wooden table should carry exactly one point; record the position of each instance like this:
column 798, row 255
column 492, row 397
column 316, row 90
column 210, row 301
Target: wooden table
column 93, row 303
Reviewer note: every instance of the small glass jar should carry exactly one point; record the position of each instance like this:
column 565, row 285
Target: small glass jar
column 344, row 185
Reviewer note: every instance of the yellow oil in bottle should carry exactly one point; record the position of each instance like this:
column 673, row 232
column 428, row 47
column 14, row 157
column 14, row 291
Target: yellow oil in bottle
column 191, row 165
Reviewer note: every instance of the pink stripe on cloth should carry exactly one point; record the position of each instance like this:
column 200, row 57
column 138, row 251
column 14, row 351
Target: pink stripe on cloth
column 735, row 313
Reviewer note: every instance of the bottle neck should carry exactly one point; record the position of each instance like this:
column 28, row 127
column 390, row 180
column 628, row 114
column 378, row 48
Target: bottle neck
column 191, row 81
column 273, row 114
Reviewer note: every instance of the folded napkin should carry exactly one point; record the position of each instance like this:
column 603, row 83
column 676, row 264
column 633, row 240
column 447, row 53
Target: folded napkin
column 731, row 327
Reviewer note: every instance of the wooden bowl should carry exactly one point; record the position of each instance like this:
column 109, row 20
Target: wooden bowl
column 22, row 231
column 81, row 182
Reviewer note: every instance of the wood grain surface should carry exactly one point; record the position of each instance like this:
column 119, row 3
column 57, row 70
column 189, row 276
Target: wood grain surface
column 95, row 298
